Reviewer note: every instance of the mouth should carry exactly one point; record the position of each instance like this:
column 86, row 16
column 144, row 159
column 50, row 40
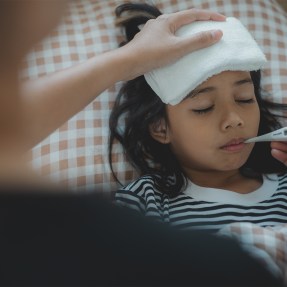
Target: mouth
column 234, row 145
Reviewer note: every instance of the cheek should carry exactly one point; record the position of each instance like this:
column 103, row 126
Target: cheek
column 192, row 152
column 255, row 117
column 189, row 133
column 189, row 141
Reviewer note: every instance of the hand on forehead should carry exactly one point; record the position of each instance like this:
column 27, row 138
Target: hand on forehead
column 236, row 51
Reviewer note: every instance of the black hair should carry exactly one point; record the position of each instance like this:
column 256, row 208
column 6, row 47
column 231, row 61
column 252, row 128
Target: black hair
column 141, row 108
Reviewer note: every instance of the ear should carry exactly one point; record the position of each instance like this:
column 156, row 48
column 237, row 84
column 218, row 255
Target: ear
column 160, row 132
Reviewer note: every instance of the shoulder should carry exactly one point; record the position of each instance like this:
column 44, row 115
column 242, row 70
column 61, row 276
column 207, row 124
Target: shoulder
column 282, row 178
column 141, row 194
column 277, row 183
column 282, row 181
column 143, row 183
column 141, row 188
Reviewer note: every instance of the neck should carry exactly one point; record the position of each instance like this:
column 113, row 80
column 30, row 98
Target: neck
column 229, row 180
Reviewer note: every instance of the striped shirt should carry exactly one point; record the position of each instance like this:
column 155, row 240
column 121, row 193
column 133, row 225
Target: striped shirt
column 209, row 208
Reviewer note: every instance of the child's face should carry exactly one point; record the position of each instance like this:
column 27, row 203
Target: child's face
column 206, row 130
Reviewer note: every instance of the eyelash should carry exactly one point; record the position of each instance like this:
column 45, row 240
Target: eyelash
column 249, row 101
column 204, row 111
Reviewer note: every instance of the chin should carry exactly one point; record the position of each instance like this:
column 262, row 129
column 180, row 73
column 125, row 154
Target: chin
column 233, row 165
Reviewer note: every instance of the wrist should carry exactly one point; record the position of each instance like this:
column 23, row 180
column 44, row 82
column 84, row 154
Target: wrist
column 131, row 63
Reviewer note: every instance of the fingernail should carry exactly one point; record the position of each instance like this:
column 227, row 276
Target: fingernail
column 216, row 34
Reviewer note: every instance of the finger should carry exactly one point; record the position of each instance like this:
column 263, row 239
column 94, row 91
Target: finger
column 200, row 40
column 279, row 155
column 279, row 145
column 201, row 14
column 181, row 18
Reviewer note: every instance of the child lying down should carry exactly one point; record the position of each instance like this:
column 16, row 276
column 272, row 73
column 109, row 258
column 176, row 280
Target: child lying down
column 185, row 131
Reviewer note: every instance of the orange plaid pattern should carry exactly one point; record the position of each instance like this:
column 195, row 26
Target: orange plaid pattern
column 76, row 154
column 267, row 244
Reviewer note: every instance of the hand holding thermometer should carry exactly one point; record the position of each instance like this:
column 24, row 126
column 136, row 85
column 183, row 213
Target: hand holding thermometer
column 278, row 135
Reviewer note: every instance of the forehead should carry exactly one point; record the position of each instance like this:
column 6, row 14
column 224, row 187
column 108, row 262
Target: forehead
column 232, row 79
column 225, row 77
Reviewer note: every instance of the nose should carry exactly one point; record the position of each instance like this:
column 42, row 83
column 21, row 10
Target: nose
column 231, row 119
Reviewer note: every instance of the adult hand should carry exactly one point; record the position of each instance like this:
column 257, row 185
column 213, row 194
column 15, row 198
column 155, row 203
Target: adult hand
column 279, row 151
column 66, row 92
column 157, row 45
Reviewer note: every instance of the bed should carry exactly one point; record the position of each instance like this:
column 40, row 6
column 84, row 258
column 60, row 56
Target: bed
column 76, row 154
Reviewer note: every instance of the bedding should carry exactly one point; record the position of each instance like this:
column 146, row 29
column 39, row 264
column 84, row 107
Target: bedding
column 269, row 245
column 76, row 154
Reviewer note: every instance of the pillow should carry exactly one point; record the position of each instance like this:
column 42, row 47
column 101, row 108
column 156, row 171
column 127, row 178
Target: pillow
column 76, row 154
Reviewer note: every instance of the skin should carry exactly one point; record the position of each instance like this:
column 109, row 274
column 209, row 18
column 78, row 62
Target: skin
column 30, row 111
column 206, row 131
column 279, row 151
column 50, row 95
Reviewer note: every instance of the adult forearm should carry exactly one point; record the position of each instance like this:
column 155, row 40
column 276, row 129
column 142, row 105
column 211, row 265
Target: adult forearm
column 51, row 100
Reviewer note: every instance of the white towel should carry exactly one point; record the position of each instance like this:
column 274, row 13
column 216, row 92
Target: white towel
column 236, row 51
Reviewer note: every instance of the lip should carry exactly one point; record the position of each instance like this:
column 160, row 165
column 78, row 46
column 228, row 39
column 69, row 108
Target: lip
column 234, row 145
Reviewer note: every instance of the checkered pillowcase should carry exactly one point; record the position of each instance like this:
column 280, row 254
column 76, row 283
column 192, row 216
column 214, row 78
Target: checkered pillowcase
column 267, row 244
column 76, row 154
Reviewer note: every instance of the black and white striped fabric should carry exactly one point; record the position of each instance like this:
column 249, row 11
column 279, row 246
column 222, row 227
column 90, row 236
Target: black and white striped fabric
column 209, row 208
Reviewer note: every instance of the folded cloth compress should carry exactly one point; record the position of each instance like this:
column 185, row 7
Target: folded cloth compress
column 236, row 51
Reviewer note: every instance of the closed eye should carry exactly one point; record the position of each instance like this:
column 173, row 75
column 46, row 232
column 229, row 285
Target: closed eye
column 203, row 111
column 249, row 101
column 206, row 110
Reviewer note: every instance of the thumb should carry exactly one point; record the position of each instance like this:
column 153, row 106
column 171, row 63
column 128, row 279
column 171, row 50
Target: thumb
column 200, row 40
column 279, row 155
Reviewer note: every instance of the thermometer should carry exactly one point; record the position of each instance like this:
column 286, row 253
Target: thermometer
column 278, row 135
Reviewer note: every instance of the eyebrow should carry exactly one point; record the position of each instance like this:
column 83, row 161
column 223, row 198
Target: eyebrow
column 211, row 88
